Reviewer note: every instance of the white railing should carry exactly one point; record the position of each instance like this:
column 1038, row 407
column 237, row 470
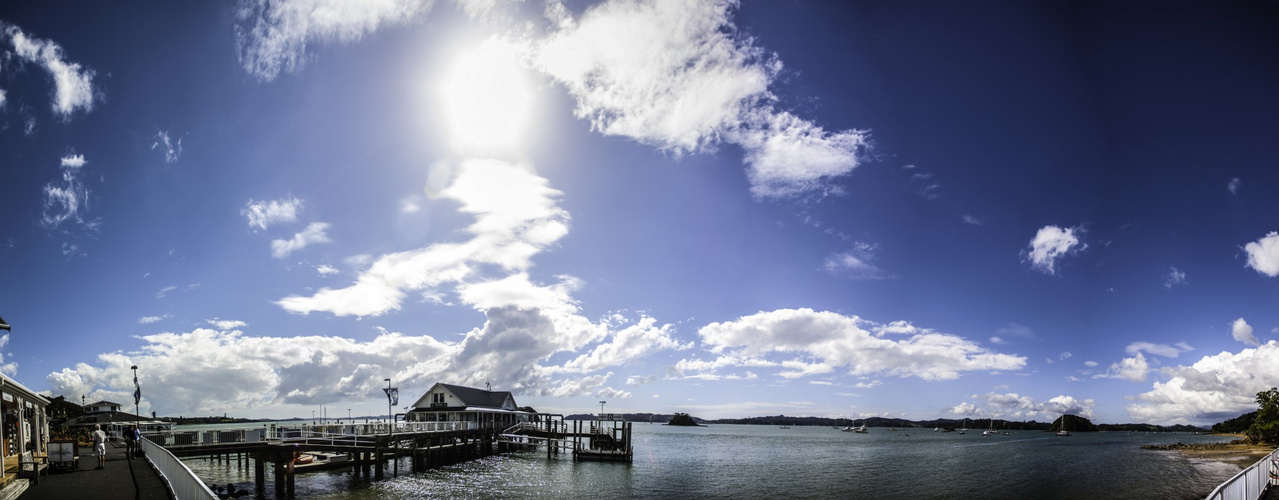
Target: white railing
column 1250, row 483
column 327, row 434
column 182, row 482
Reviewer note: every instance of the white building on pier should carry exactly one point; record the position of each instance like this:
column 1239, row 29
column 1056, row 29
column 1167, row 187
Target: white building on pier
column 455, row 403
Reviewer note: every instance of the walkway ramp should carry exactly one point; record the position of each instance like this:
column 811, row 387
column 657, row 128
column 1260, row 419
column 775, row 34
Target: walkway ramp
column 122, row 479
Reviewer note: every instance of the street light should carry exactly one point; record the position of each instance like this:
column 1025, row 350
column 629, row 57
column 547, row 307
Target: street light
column 601, row 410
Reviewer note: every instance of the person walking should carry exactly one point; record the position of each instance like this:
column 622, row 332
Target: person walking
column 129, row 443
column 136, row 435
column 100, row 446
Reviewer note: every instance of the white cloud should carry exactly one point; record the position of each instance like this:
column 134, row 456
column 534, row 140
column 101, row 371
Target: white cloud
column 855, row 263
column 172, row 149
column 9, row 368
column 73, row 161
column 1135, row 369
column 146, row 320
column 224, row 325
column 1016, row 330
column 834, row 341
column 1242, row 332
column 325, row 270
column 966, row 409
column 262, row 214
column 1013, row 404
column 224, row 371
column 1091, row 364
column 997, row 340
column 73, row 85
column 1233, row 185
column 516, row 217
column 67, row 199
column 627, row 344
column 1175, row 277
column 273, row 35
column 676, row 74
column 1211, row 390
column 314, row 233
column 968, row 219
column 1065, row 355
column 1167, row 351
column 1263, row 254
column 1049, row 245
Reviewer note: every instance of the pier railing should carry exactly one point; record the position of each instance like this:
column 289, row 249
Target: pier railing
column 327, row 434
column 1250, row 483
column 182, row 482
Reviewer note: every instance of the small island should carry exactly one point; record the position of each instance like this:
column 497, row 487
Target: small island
column 683, row 419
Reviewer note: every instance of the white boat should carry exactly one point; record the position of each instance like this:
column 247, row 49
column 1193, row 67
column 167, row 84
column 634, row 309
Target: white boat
column 855, row 428
column 991, row 430
column 1063, row 431
column 315, row 460
column 964, row 429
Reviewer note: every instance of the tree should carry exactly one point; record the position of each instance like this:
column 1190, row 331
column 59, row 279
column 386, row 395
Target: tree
column 1265, row 428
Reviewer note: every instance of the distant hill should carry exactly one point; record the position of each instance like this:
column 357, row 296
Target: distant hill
column 657, row 418
column 1236, row 425
column 1073, row 424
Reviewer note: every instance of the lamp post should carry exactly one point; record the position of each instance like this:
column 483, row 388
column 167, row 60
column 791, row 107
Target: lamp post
column 137, row 399
column 348, row 415
column 601, row 410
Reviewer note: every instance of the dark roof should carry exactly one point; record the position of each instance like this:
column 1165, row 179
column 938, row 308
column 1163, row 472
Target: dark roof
column 471, row 396
column 104, row 402
column 105, row 417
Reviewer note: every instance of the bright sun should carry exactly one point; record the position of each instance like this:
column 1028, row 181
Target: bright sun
column 488, row 100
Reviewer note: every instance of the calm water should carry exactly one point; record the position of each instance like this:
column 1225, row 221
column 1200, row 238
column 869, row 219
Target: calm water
column 739, row 461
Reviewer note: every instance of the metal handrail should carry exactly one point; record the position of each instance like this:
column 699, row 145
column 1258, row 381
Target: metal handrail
column 327, row 434
column 181, row 481
column 1250, row 483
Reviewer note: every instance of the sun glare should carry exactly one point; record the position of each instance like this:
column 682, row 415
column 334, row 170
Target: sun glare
column 488, row 100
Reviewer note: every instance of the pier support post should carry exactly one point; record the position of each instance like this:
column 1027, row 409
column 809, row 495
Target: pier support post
column 278, row 466
column 259, row 472
column 377, row 464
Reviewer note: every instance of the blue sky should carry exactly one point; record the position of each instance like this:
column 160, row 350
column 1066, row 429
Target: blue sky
column 842, row 209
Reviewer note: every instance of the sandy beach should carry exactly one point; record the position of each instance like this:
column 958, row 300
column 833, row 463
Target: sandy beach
column 1236, row 452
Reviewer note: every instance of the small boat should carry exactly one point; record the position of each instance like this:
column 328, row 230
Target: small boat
column 991, row 430
column 1063, row 431
column 785, row 426
column 855, row 428
column 316, row 460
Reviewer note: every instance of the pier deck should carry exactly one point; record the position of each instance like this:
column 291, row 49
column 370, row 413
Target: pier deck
column 122, row 479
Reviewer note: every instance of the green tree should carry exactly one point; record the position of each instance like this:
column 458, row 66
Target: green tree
column 1265, row 428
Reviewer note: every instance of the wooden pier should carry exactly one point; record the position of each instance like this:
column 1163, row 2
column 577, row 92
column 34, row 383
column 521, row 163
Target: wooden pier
column 605, row 439
column 368, row 448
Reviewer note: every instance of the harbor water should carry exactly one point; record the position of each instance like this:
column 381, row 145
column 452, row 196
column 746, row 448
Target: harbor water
column 741, row 461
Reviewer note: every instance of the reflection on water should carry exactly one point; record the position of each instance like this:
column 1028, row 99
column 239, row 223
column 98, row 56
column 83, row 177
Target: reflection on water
column 733, row 461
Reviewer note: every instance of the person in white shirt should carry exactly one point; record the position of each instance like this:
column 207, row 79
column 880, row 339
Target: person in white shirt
column 100, row 446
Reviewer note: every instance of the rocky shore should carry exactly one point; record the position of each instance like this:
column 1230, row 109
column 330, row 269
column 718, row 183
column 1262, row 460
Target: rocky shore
column 1237, row 452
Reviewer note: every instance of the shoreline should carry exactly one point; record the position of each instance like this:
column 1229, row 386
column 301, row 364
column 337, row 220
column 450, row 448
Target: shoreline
column 1237, row 452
